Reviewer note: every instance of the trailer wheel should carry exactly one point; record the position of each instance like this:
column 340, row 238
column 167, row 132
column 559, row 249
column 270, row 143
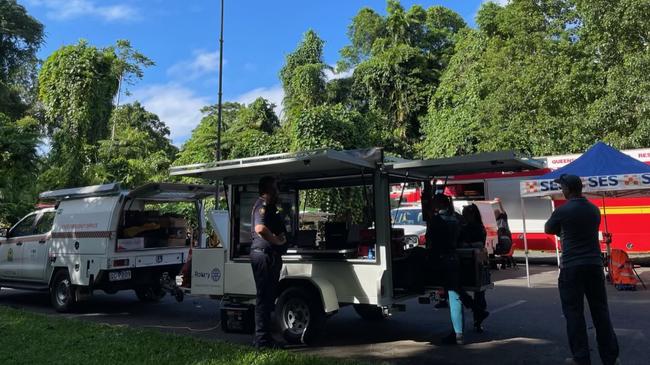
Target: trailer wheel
column 300, row 315
column 369, row 312
column 149, row 294
column 62, row 293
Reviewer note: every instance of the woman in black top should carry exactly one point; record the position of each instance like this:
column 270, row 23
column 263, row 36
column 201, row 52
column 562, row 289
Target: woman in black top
column 473, row 232
column 473, row 235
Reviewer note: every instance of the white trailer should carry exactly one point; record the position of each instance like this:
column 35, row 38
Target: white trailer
column 318, row 278
column 86, row 243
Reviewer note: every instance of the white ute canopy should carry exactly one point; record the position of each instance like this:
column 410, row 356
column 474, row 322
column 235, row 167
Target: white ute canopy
column 86, row 191
column 151, row 192
column 162, row 192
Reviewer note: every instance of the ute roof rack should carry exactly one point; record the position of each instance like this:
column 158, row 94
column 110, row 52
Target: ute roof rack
column 85, row 191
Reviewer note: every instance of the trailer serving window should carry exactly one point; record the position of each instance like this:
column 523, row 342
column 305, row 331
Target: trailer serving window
column 245, row 197
column 334, row 222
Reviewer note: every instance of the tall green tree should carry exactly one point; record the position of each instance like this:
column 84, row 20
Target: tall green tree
column 615, row 35
column 397, row 61
column 201, row 146
column 20, row 38
column 139, row 152
column 18, row 167
column 303, row 76
column 134, row 115
column 257, row 115
column 77, row 86
column 256, row 131
column 524, row 80
column 329, row 126
column 129, row 65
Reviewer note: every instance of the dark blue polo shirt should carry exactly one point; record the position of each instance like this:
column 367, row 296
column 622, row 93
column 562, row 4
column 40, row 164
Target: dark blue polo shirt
column 577, row 223
column 267, row 215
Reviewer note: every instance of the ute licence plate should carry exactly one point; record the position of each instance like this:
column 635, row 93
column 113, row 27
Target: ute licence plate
column 119, row 275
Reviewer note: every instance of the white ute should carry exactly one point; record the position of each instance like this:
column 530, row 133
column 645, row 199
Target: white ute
column 102, row 238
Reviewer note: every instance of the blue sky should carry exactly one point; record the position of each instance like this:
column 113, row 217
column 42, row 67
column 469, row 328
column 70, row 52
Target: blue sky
column 181, row 37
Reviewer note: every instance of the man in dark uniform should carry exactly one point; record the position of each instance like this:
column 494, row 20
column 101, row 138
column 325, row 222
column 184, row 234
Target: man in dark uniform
column 581, row 273
column 268, row 233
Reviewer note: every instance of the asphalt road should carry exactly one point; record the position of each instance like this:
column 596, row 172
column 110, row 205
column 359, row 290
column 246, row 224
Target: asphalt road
column 525, row 326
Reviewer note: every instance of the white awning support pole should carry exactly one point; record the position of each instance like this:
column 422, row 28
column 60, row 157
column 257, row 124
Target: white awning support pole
column 523, row 220
column 557, row 242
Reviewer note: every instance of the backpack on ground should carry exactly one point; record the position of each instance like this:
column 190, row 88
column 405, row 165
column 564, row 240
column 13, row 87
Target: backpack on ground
column 621, row 271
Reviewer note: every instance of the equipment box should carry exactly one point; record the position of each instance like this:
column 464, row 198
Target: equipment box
column 474, row 267
column 238, row 319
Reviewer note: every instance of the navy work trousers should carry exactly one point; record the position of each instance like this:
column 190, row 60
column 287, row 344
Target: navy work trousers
column 266, row 271
column 576, row 283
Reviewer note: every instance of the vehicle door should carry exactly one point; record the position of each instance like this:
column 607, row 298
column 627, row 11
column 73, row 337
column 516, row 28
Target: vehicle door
column 488, row 216
column 35, row 248
column 11, row 249
column 208, row 264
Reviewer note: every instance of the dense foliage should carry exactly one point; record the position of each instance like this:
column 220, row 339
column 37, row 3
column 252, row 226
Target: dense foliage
column 18, row 166
column 139, row 151
column 544, row 77
column 20, row 37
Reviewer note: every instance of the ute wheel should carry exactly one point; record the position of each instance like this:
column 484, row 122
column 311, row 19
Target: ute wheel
column 150, row 294
column 62, row 293
column 369, row 312
column 300, row 315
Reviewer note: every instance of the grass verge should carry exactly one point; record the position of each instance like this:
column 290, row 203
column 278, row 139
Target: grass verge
column 28, row 338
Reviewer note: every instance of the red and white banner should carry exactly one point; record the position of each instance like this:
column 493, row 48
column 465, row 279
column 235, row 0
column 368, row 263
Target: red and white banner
column 555, row 162
column 590, row 184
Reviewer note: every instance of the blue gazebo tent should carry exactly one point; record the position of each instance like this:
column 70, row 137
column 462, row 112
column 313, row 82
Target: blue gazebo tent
column 604, row 170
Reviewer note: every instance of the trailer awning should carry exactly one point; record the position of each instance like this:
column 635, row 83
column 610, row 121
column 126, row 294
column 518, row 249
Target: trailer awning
column 288, row 166
column 470, row 164
column 172, row 192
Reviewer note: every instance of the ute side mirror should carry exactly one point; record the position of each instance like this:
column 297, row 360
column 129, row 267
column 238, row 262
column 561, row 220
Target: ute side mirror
column 4, row 232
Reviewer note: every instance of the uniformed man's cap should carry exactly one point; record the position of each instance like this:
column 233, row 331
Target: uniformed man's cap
column 572, row 182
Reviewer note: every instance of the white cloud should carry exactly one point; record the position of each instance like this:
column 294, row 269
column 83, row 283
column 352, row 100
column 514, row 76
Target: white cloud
column 274, row 94
column 176, row 105
column 499, row 2
column 70, row 9
column 331, row 75
column 203, row 63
